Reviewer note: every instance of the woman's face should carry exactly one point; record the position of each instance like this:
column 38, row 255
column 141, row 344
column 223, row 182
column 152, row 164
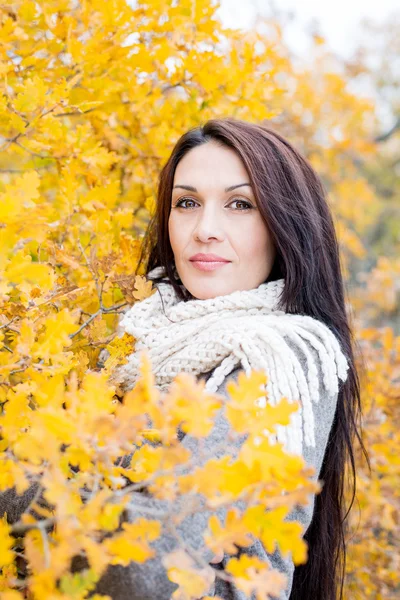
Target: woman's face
column 212, row 219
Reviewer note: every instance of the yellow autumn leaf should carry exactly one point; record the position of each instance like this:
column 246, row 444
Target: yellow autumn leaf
column 21, row 271
column 252, row 576
column 133, row 543
column 143, row 288
column 243, row 410
column 54, row 336
column 190, row 406
column 272, row 529
column 226, row 538
column 11, row 595
column 192, row 581
column 19, row 197
column 6, row 544
column 118, row 349
column 32, row 97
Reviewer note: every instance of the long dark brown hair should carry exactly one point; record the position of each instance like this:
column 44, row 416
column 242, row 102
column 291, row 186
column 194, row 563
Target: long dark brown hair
column 293, row 204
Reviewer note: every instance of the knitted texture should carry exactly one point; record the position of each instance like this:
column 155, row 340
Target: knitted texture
column 241, row 328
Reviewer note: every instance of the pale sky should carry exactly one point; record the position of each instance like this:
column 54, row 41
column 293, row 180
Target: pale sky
column 338, row 19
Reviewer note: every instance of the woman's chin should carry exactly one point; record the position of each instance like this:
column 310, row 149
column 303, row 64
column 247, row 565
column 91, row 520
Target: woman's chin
column 207, row 290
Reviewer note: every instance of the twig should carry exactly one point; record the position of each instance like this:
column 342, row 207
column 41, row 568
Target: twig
column 387, row 134
column 92, row 236
column 86, row 323
column 33, row 153
column 77, row 112
column 46, row 547
column 114, row 308
column 21, row 528
column 7, row 324
column 102, row 309
column 99, row 287
column 35, row 498
column 24, row 170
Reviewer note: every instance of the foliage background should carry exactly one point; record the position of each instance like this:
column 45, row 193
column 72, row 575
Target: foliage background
column 93, row 96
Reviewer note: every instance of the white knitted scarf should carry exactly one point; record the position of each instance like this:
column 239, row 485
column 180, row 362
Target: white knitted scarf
column 240, row 328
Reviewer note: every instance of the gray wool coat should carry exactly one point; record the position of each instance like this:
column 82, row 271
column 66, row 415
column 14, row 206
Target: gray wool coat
column 149, row 581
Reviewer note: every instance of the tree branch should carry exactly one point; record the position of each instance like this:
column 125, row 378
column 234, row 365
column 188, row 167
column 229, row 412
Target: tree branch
column 385, row 136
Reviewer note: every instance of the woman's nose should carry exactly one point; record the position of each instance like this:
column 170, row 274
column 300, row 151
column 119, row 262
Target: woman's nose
column 208, row 226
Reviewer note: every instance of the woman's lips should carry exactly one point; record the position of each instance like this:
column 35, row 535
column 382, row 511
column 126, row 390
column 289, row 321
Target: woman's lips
column 203, row 265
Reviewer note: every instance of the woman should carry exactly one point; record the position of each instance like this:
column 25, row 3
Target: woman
column 267, row 291
column 240, row 194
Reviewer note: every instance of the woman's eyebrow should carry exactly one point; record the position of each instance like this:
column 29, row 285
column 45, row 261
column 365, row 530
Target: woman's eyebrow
column 193, row 189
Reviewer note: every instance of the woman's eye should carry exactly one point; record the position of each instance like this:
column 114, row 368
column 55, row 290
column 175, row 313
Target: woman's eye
column 180, row 202
column 247, row 205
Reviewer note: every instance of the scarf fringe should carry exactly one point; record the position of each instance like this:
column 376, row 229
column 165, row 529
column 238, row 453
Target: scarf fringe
column 242, row 328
